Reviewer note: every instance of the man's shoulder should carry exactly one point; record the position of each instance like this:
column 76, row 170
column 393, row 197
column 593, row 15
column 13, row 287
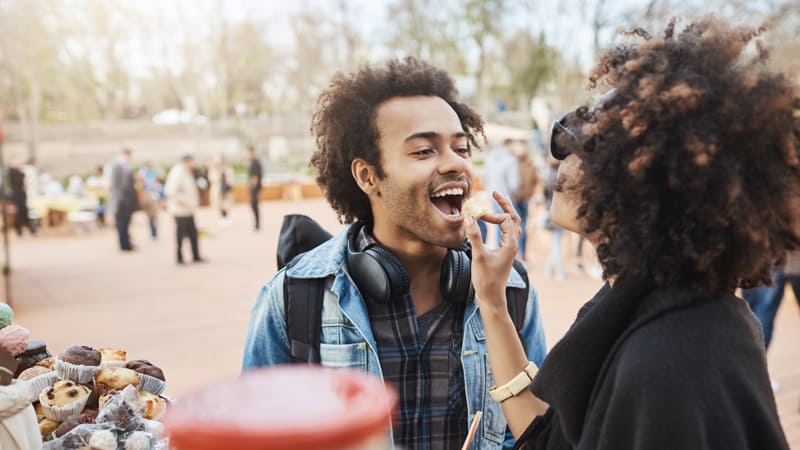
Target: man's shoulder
column 323, row 260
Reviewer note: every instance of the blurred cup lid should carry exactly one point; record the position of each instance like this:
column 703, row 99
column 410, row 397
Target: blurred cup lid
column 281, row 408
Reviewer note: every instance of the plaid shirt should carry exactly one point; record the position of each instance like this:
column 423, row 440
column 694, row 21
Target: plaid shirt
column 421, row 357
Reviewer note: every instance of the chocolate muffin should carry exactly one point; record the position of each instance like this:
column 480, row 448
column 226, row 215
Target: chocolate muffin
column 81, row 355
column 146, row 367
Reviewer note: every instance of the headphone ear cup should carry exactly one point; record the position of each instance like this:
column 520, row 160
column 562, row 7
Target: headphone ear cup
column 456, row 277
column 398, row 283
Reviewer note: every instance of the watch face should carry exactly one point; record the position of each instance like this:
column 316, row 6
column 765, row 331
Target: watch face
column 8, row 365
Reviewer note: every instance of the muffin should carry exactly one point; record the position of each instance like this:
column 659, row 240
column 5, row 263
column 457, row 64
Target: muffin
column 115, row 378
column 47, row 427
column 81, row 355
column 111, row 357
column 78, row 363
column 38, row 378
column 151, row 376
column 152, row 405
column 63, row 399
column 37, row 407
column 33, row 372
column 48, row 362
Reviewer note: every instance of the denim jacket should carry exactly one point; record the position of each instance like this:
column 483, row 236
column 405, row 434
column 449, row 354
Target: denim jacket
column 346, row 338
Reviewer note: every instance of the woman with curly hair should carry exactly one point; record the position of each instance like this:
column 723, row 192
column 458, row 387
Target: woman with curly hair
column 686, row 178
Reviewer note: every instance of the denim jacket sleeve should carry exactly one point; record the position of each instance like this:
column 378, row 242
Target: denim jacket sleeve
column 267, row 343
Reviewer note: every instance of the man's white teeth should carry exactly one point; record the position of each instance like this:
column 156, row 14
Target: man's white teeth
column 455, row 213
column 451, row 191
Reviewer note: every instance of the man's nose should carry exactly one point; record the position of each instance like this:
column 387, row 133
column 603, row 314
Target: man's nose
column 454, row 162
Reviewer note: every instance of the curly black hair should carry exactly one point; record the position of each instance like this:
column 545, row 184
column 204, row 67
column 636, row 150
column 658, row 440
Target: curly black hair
column 344, row 124
column 691, row 166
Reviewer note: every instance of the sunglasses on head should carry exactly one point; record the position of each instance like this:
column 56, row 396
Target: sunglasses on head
column 560, row 152
column 561, row 131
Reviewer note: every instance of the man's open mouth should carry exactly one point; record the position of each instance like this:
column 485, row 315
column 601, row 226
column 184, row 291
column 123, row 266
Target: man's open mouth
column 449, row 201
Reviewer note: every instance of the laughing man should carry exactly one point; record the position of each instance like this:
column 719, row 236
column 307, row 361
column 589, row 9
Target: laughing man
column 394, row 157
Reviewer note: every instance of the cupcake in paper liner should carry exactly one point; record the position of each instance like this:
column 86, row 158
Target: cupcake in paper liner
column 63, row 399
column 111, row 357
column 151, row 377
column 41, row 382
column 78, row 363
column 75, row 372
column 151, row 384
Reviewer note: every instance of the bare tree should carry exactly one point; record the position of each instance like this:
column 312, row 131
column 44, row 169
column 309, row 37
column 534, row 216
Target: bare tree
column 483, row 20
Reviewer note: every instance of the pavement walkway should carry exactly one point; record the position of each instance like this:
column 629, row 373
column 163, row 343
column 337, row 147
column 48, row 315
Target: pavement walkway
column 74, row 287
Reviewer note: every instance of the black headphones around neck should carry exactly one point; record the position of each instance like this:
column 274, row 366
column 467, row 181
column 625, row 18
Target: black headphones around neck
column 381, row 277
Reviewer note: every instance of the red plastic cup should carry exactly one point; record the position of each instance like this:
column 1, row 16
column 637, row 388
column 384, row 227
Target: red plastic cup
column 283, row 408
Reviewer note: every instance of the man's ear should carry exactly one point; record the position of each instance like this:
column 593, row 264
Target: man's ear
column 364, row 174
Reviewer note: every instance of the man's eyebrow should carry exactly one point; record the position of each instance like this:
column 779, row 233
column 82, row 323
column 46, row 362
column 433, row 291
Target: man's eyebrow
column 431, row 135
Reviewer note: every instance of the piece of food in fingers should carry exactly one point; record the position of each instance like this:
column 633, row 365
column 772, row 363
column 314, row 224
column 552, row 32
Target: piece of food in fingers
column 471, row 208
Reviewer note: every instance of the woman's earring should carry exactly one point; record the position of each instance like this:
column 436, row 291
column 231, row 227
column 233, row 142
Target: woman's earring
column 376, row 193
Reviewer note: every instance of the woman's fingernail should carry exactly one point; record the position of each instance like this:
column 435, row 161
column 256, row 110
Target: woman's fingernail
column 468, row 220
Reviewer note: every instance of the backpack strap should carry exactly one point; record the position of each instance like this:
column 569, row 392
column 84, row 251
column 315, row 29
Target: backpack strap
column 517, row 298
column 302, row 301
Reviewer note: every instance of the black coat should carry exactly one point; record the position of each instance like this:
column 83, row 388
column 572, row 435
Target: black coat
column 661, row 370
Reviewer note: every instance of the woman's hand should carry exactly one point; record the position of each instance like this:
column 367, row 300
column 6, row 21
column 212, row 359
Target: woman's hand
column 491, row 267
column 490, row 270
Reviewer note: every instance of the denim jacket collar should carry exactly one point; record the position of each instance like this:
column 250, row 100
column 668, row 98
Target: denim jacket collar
column 324, row 260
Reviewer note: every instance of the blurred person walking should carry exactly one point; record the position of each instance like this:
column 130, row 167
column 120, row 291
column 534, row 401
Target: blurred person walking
column 765, row 300
column 123, row 200
column 501, row 174
column 32, row 174
column 528, row 180
column 255, row 176
column 183, row 199
column 220, row 177
column 19, row 197
column 152, row 194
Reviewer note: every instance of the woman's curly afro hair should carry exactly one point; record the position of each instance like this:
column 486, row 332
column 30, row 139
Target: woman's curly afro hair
column 691, row 170
column 344, row 126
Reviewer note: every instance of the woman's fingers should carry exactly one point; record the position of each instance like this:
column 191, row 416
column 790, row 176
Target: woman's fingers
column 507, row 206
column 509, row 233
column 494, row 218
column 474, row 236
